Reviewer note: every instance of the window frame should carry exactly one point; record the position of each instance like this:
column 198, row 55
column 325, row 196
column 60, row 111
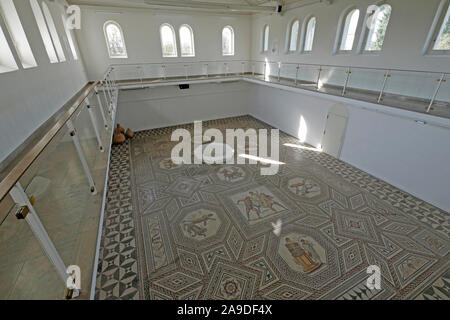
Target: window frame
column 112, row 56
column 437, row 25
column 6, row 51
column 174, row 40
column 232, row 41
column 17, row 34
column 43, row 31
column 53, row 32
column 305, row 29
column 69, row 37
column 263, row 42
column 342, row 28
column 192, row 41
column 368, row 31
column 289, row 37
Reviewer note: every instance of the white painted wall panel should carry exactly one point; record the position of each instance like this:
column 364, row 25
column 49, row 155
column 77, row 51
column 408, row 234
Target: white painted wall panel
column 29, row 97
column 142, row 38
column 166, row 106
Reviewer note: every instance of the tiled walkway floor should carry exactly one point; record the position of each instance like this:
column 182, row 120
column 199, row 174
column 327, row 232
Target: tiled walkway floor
column 205, row 231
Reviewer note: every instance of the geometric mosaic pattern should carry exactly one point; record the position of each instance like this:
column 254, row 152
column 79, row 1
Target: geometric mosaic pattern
column 205, row 231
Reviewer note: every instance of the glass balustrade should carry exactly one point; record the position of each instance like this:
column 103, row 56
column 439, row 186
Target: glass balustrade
column 58, row 199
column 410, row 90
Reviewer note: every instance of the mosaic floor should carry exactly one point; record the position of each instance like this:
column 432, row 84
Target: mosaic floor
column 206, row 231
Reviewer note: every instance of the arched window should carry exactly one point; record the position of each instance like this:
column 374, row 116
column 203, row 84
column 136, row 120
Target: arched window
column 69, row 38
column 349, row 30
column 227, row 41
column 265, row 40
column 378, row 27
column 115, row 41
column 168, row 41
column 187, row 41
column 19, row 39
column 53, row 32
column 7, row 61
column 442, row 41
column 293, row 36
column 43, row 30
column 309, row 35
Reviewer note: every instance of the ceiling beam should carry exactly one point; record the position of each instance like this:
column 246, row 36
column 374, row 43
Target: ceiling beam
column 210, row 6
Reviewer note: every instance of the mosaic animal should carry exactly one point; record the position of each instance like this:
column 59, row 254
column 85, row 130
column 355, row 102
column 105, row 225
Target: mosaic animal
column 302, row 187
column 230, row 174
column 194, row 228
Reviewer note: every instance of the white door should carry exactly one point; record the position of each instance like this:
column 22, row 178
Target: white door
column 334, row 134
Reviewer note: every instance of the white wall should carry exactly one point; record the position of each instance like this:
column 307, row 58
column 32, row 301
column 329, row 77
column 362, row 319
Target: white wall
column 406, row 35
column 29, row 97
column 396, row 149
column 142, row 39
column 166, row 106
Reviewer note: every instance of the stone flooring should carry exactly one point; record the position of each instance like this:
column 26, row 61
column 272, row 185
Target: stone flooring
column 67, row 209
column 206, row 231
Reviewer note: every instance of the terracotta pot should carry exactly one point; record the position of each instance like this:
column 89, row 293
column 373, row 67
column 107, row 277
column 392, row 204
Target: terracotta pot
column 119, row 138
column 122, row 130
column 129, row 133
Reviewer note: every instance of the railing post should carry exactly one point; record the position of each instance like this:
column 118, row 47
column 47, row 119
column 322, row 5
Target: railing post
column 164, row 75
column 94, row 125
column 86, row 169
column 100, row 105
column 21, row 199
column 440, row 80
column 265, row 67
column 207, row 71
column 225, row 65
column 108, row 103
column 242, row 68
column 253, row 70
column 318, row 78
column 106, row 87
column 296, row 73
column 186, row 71
column 279, row 70
column 346, row 81
column 140, row 74
column 386, row 76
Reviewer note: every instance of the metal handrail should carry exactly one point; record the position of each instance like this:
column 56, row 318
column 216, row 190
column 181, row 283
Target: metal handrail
column 18, row 170
column 276, row 62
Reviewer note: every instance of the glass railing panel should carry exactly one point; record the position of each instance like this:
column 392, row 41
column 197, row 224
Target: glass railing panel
column 25, row 271
column 288, row 73
column 441, row 104
column 245, row 67
column 308, row 76
column 87, row 135
column 257, row 69
column 175, row 70
column 196, row 70
column 67, row 208
column 409, row 90
column 45, row 181
column 365, row 84
column 128, row 72
column 151, row 71
column 332, row 79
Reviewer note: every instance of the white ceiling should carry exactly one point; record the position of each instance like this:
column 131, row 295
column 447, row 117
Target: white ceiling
column 236, row 6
